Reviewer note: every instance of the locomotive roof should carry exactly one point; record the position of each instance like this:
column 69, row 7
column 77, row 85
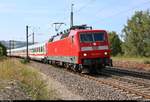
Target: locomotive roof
column 71, row 31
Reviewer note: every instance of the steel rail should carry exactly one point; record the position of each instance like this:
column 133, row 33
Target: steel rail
column 118, row 86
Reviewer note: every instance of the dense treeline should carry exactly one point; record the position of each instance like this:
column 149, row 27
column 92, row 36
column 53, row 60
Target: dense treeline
column 115, row 43
column 136, row 40
column 2, row 50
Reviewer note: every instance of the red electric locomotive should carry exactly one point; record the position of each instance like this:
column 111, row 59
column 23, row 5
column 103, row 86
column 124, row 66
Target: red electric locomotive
column 81, row 49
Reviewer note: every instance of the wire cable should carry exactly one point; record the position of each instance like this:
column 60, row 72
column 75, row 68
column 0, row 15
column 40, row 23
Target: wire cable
column 81, row 8
column 124, row 11
column 84, row 6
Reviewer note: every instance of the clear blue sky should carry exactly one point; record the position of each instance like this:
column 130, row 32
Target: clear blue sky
column 110, row 15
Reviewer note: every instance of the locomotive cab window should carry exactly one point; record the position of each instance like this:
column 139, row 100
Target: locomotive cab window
column 86, row 37
column 92, row 37
column 99, row 37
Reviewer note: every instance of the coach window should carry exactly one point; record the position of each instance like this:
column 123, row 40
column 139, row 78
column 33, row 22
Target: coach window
column 37, row 49
column 41, row 49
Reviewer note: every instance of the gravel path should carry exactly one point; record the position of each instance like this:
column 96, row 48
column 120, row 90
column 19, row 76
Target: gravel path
column 84, row 88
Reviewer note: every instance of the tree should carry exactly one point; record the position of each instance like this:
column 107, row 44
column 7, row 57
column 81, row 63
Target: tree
column 115, row 43
column 137, row 35
column 2, row 50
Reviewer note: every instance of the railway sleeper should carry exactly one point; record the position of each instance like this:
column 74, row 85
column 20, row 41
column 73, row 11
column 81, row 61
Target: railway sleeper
column 147, row 92
column 138, row 97
column 140, row 86
column 131, row 95
column 147, row 88
column 125, row 92
column 120, row 90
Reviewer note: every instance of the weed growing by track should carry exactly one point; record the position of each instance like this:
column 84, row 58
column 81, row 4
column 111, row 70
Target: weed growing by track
column 31, row 81
column 2, row 58
column 25, row 61
column 145, row 60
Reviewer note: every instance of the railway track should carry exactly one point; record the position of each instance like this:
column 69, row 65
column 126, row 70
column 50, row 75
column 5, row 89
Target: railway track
column 135, row 88
column 132, row 78
column 140, row 74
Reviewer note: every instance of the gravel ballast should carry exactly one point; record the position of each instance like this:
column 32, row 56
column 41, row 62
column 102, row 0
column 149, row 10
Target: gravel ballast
column 60, row 90
column 84, row 88
column 11, row 90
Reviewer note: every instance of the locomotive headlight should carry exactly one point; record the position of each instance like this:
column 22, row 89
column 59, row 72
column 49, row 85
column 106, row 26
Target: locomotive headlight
column 84, row 54
column 106, row 53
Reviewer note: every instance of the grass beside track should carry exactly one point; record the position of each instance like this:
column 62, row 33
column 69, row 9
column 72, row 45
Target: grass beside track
column 31, row 81
column 145, row 60
column 2, row 58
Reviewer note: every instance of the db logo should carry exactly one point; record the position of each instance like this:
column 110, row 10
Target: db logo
column 95, row 47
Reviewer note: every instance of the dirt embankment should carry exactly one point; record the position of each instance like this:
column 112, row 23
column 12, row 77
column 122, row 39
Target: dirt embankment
column 132, row 64
column 19, row 81
column 12, row 90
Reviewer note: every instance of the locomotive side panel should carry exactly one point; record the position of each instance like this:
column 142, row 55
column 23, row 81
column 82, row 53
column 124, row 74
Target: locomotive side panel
column 64, row 50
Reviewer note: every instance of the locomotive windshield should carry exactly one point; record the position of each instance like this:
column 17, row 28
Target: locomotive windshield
column 92, row 37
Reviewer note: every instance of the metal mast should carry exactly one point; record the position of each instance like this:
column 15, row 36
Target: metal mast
column 71, row 18
column 27, row 56
column 33, row 37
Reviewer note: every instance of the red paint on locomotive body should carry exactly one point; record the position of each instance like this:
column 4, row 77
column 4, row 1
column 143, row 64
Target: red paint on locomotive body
column 72, row 46
column 95, row 49
column 67, row 47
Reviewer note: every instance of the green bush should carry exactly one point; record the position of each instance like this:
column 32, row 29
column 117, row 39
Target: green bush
column 25, row 61
column 137, row 35
column 2, row 58
column 146, row 62
column 2, row 50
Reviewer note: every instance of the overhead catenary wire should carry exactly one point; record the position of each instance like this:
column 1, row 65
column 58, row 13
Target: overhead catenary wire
column 92, row 1
column 124, row 11
column 85, row 6
column 80, row 9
